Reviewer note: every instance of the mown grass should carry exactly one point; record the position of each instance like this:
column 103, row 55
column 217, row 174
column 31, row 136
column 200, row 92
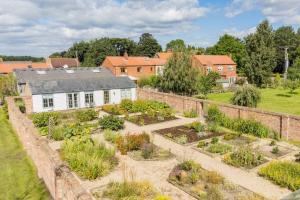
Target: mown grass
column 18, row 179
column 276, row 100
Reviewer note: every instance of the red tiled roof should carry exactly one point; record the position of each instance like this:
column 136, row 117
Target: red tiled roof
column 60, row 62
column 134, row 61
column 39, row 65
column 164, row 55
column 214, row 59
column 9, row 66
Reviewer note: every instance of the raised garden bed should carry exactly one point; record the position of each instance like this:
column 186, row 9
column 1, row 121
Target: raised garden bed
column 203, row 184
column 238, row 140
column 213, row 148
column 145, row 119
column 186, row 135
column 273, row 151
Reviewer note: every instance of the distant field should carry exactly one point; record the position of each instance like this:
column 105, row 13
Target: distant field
column 276, row 100
column 18, row 179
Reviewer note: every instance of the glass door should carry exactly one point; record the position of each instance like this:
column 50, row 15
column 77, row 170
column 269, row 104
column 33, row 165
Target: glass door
column 72, row 100
column 106, row 97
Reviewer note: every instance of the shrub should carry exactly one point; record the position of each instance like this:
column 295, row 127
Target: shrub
column 244, row 157
column 187, row 165
column 275, row 150
column 230, row 136
column 214, row 140
column 214, row 114
column 181, row 139
column 147, row 150
column 292, row 85
column 190, row 114
column 283, row 173
column 111, row 122
column 86, row 115
column 272, row 143
column 219, row 148
column 111, row 136
column 70, row 130
column 126, row 104
column 132, row 142
column 112, row 109
column 213, row 193
column 151, row 81
column 129, row 190
column 42, row 119
column 88, row 158
column 213, row 177
column 202, row 144
column 246, row 95
column 197, row 126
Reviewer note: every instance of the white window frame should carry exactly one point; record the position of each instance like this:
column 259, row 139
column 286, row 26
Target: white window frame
column 209, row 69
column 104, row 97
column 220, row 68
column 125, row 94
column 230, row 68
column 47, row 101
column 73, row 103
column 89, row 99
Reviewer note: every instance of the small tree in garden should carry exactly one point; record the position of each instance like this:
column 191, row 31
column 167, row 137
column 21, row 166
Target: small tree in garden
column 205, row 84
column 179, row 76
column 291, row 85
column 246, row 95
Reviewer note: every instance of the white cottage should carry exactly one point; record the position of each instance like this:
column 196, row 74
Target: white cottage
column 73, row 89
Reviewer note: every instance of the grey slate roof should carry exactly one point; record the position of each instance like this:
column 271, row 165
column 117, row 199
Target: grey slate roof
column 78, row 85
column 26, row 75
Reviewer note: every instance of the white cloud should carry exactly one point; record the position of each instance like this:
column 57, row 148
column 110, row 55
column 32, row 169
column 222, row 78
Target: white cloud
column 39, row 27
column 284, row 11
column 239, row 33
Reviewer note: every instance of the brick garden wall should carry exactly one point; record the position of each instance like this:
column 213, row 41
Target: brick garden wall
column 287, row 125
column 61, row 183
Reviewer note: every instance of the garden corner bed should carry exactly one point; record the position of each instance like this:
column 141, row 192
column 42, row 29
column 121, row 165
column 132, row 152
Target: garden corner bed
column 185, row 134
column 202, row 184
column 145, row 119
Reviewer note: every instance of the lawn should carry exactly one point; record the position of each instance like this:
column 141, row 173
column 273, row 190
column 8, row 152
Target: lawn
column 276, row 100
column 18, row 179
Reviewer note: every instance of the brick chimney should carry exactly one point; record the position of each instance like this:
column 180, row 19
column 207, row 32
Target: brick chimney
column 126, row 55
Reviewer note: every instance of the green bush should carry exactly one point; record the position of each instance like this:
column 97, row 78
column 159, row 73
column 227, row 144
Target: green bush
column 244, row 157
column 190, row 114
column 112, row 109
column 181, row 139
column 20, row 103
column 239, row 125
column 86, row 115
column 126, row 104
column 67, row 131
column 88, row 158
column 246, row 95
column 197, row 126
column 151, row 81
column 219, row 148
column 131, row 142
column 42, row 119
column 214, row 140
column 111, row 122
column 283, row 173
column 111, row 136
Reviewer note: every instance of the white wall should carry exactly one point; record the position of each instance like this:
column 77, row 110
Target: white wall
column 60, row 100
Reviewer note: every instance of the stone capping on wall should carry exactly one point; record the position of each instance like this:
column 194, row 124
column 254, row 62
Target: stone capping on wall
column 58, row 178
column 287, row 125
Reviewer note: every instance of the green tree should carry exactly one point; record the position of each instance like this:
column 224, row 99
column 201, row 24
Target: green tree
column 229, row 45
column 285, row 36
column 148, row 45
column 179, row 76
column 205, row 84
column 58, row 54
column 176, row 45
column 291, row 85
column 262, row 55
column 294, row 70
column 246, row 95
column 7, row 86
column 81, row 48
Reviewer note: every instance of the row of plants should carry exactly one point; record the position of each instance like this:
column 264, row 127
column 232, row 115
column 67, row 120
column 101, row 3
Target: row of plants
column 111, row 122
column 214, row 146
column 128, row 106
column 239, row 125
column 88, row 158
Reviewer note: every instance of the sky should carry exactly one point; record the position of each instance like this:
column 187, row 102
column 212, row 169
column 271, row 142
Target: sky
column 41, row 27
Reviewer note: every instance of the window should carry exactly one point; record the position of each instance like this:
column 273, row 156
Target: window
column 72, row 100
column 220, row 68
column 151, row 69
column 106, row 96
column 89, row 99
column 125, row 94
column 123, row 70
column 230, row 68
column 209, row 69
column 139, row 69
column 47, row 101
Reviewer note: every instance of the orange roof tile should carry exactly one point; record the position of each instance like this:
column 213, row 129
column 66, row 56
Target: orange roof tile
column 60, row 62
column 214, row 59
column 8, row 66
column 164, row 55
column 135, row 61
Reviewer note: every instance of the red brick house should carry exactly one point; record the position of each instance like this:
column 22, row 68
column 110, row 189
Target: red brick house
column 62, row 62
column 222, row 64
column 133, row 66
column 7, row 67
